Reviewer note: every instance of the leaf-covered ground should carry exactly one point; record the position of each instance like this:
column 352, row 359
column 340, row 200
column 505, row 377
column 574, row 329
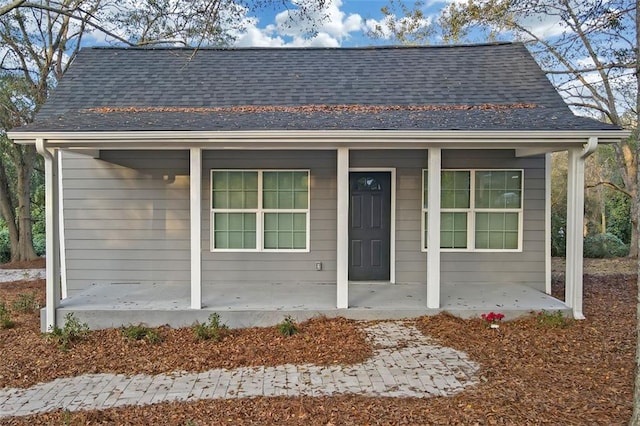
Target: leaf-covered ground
column 531, row 373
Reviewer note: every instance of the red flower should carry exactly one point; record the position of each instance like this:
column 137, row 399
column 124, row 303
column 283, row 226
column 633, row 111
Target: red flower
column 492, row 317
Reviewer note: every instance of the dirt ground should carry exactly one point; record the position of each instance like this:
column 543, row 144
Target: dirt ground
column 535, row 370
column 620, row 265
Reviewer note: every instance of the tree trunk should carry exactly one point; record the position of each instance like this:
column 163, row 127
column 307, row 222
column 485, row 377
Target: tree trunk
column 18, row 219
column 633, row 244
column 24, row 248
column 635, row 417
column 6, row 208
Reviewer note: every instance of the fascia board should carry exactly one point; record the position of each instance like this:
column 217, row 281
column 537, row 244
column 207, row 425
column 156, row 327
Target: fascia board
column 327, row 138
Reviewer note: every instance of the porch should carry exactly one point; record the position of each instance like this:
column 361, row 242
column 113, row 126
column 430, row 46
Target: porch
column 103, row 306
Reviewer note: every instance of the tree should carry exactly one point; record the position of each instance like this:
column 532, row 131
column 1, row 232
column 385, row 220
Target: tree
column 39, row 40
column 588, row 49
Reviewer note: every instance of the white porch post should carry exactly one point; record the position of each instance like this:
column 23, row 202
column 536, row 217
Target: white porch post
column 342, row 238
column 575, row 223
column 63, row 250
column 195, row 203
column 52, row 224
column 547, row 223
column 433, row 227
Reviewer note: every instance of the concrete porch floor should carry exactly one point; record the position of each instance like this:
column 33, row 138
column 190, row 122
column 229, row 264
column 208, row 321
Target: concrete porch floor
column 104, row 306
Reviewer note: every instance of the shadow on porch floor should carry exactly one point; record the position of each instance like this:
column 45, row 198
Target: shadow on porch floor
column 103, row 306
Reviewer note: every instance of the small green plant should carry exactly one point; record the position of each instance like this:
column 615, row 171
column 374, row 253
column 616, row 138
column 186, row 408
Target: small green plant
column 66, row 417
column 210, row 330
column 553, row 319
column 26, row 303
column 5, row 317
column 287, row 327
column 72, row 332
column 141, row 332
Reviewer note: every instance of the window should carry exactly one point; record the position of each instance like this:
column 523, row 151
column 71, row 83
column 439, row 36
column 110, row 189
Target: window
column 480, row 209
column 260, row 210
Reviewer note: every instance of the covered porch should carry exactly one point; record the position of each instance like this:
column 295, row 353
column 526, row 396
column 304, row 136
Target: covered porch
column 104, row 306
column 265, row 303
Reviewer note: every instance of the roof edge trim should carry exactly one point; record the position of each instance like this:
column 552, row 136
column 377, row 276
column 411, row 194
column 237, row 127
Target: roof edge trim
column 299, row 137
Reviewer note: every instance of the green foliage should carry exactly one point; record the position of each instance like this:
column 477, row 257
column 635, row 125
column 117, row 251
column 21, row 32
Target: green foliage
column 73, row 331
column 553, row 319
column 26, row 303
column 5, row 317
column 604, row 245
column 618, row 212
column 141, row 332
column 210, row 330
column 5, row 245
column 287, row 327
column 558, row 234
column 67, row 416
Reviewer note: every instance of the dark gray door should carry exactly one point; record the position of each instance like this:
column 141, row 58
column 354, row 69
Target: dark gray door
column 370, row 226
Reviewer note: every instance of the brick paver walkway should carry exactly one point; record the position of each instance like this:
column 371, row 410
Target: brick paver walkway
column 405, row 364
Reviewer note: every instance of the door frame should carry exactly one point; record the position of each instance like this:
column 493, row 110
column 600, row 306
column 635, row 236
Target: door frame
column 392, row 228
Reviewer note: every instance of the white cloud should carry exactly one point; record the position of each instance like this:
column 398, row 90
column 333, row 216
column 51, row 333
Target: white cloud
column 389, row 25
column 328, row 27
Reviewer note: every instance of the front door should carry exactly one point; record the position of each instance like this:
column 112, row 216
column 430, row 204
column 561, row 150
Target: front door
column 369, row 226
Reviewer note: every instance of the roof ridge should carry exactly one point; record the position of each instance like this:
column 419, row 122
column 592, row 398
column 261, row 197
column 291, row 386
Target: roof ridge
column 372, row 47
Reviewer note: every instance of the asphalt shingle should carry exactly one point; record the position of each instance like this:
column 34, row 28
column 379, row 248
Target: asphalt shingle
column 491, row 74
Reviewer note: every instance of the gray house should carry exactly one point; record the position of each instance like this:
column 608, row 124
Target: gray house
column 368, row 182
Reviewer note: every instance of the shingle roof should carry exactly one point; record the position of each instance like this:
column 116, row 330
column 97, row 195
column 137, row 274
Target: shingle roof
column 476, row 87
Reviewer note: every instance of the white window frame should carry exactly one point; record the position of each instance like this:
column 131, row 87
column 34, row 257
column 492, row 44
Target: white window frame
column 260, row 213
column 472, row 210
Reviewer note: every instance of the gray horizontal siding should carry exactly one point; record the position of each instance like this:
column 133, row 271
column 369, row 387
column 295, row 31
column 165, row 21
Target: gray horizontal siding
column 527, row 267
column 126, row 217
column 411, row 263
column 272, row 267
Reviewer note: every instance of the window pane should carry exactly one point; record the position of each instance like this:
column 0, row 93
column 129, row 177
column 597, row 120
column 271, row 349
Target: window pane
column 453, row 230
column 221, row 240
column 425, row 188
column 368, row 183
column 236, row 200
column 497, row 231
column 220, row 180
column 498, row 189
column 301, row 181
column 234, row 230
column 235, row 190
column 301, row 200
column 511, row 240
column 270, row 180
column 447, row 199
column 285, row 240
column 235, row 181
column 285, row 190
column 299, row 222
column 300, row 240
column 270, row 239
column 426, row 229
column 285, row 200
column 285, row 180
column 220, row 200
column 285, row 230
column 270, row 199
column 250, row 181
column 285, row 222
column 455, row 189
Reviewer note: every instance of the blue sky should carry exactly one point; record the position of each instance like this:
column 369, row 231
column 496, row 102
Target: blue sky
column 345, row 24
